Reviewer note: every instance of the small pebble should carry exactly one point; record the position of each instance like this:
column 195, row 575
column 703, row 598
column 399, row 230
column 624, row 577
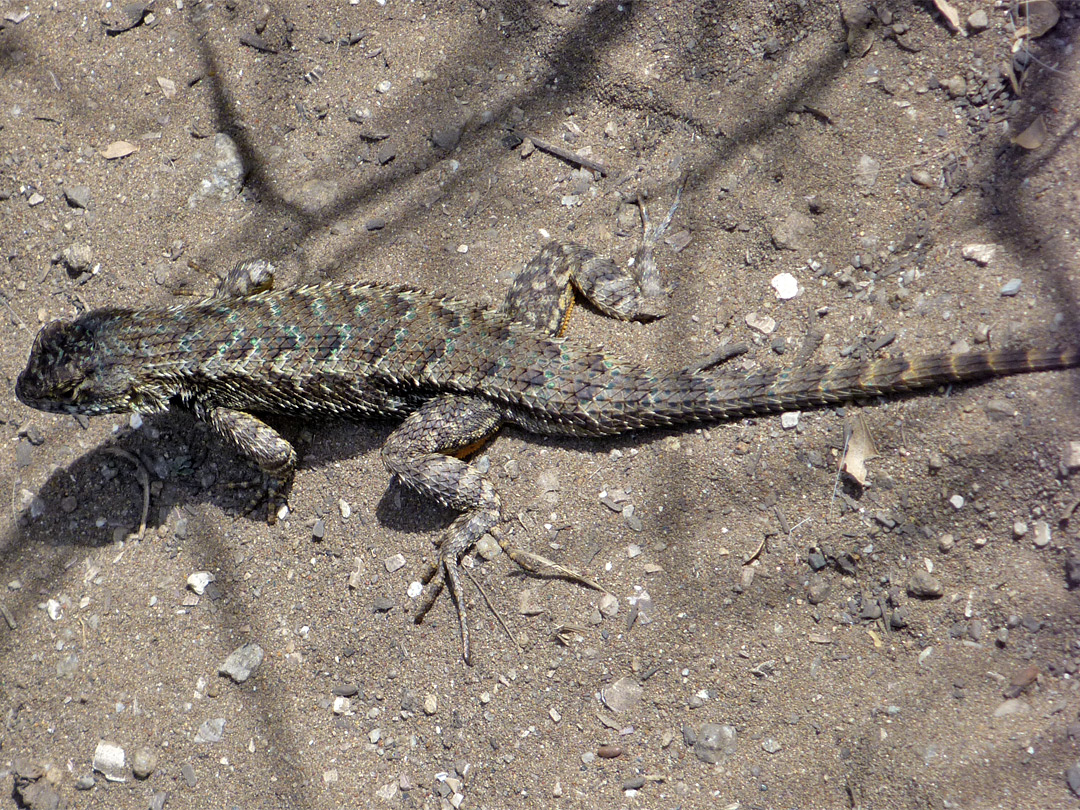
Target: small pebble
column 211, row 731
column 1070, row 459
column 109, row 761
column 1011, row 287
column 980, row 254
column 199, row 581
column 77, row 196
column 956, row 86
column 85, row 782
column 242, row 662
column 761, row 323
column 786, row 286
column 1072, row 776
column 924, row 585
column 394, row 563
column 978, row 20
column 1041, row 536
column 923, row 178
column 144, row 762
column 714, row 742
column 188, row 773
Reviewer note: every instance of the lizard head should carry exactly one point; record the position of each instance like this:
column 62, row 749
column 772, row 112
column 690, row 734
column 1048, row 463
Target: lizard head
column 71, row 371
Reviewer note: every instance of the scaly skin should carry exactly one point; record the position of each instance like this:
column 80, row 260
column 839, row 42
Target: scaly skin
column 453, row 371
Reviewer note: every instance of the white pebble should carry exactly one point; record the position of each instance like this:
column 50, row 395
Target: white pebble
column 762, row 323
column 786, row 286
column 199, row 580
column 980, row 254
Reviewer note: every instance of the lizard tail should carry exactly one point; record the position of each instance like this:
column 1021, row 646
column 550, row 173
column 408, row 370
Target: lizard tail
column 689, row 396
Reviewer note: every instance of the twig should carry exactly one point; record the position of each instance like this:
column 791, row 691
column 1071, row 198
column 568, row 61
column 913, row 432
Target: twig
column 559, row 152
column 144, row 481
column 491, row 607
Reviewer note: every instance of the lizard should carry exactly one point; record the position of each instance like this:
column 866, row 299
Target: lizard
column 453, row 373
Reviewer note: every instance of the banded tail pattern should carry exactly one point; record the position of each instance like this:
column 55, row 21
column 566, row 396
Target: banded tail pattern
column 688, row 396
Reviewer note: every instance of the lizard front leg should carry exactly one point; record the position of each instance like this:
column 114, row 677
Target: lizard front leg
column 423, row 452
column 247, row 277
column 259, row 443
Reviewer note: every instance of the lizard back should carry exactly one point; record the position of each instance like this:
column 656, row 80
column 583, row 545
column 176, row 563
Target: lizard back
column 359, row 350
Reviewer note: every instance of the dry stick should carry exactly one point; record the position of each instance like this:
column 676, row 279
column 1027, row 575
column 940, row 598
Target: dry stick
column 144, row 481
column 565, row 154
column 836, row 482
column 542, row 566
column 491, row 607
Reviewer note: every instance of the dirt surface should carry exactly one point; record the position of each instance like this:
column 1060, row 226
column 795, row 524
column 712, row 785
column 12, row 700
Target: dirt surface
column 859, row 152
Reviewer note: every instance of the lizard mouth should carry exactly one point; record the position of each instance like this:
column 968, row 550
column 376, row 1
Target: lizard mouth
column 32, row 394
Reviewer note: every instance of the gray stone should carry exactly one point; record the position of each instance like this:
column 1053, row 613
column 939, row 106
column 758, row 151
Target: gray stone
column 819, row 589
column 924, row 585
column 793, row 232
column 144, row 762
column 77, row 196
column 715, row 742
column 956, row 86
column 109, row 761
column 211, row 731
column 1072, row 776
column 446, row 137
column 1011, row 287
column 866, row 172
column 1041, row 534
column 225, row 177
column 242, row 662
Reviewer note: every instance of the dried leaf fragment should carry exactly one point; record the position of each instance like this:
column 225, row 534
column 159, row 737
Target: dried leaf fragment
column 951, row 15
column 118, row 149
column 168, row 86
column 859, row 447
column 1033, row 136
column 1042, row 15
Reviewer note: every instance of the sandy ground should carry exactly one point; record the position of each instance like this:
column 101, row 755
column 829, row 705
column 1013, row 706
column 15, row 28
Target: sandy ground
column 780, row 659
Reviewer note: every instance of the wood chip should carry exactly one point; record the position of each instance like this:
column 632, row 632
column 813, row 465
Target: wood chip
column 1033, row 136
column 1041, row 15
column 118, row 149
column 951, row 15
column 858, row 448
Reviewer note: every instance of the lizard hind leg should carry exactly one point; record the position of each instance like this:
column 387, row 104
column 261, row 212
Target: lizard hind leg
column 422, row 453
column 542, row 294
